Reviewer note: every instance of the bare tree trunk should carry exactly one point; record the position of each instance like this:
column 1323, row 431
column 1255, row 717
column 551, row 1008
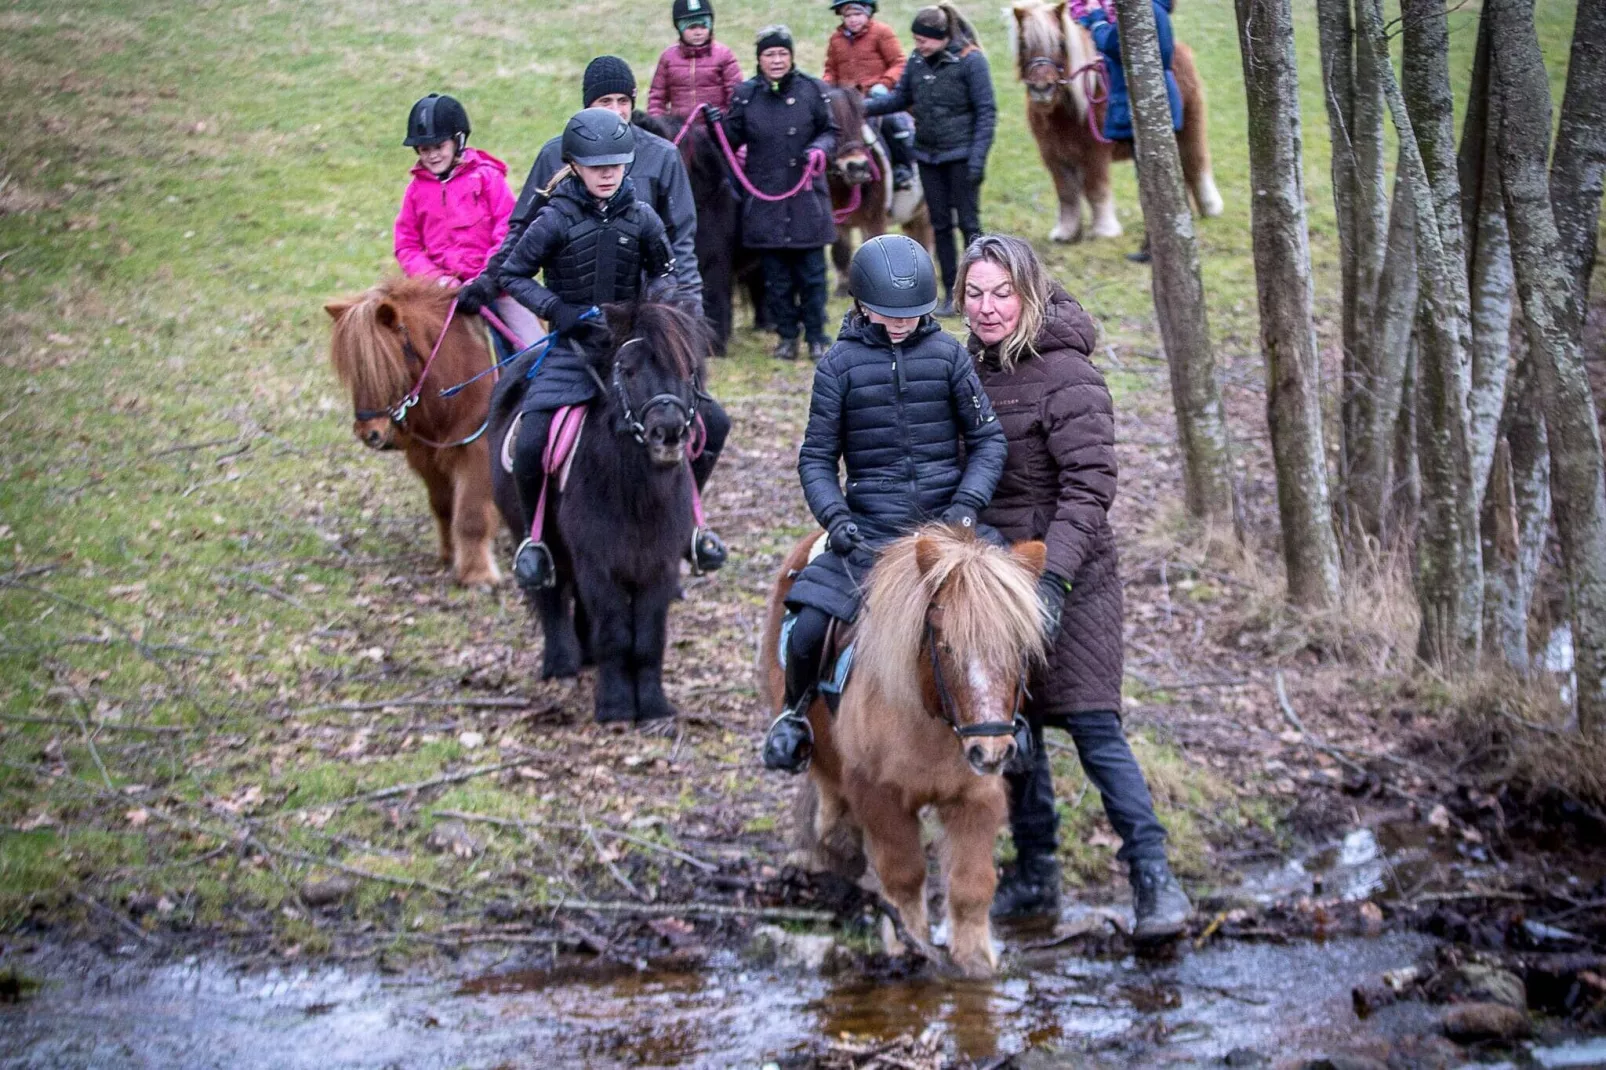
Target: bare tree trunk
column 1545, row 283
column 1405, row 495
column 1360, row 200
column 1516, row 514
column 1576, row 172
column 1178, row 288
column 1286, row 292
column 1449, row 571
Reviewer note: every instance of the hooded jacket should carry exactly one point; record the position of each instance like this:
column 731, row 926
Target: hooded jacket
column 1107, row 36
column 951, row 97
column 451, row 228
column 863, row 60
column 1058, row 486
column 687, row 77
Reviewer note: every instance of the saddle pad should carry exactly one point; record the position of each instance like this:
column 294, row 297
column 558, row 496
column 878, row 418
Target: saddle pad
column 574, row 448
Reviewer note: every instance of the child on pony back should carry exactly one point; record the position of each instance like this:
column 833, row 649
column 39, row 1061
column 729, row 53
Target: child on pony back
column 896, row 403
column 454, row 213
column 697, row 69
column 864, row 54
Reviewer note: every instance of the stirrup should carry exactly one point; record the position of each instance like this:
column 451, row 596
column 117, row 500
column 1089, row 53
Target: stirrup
column 707, row 551
column 533, row 566
column 789, row 744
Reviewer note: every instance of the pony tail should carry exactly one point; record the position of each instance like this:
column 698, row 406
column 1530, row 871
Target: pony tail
column 557, row 180
column 959, row 27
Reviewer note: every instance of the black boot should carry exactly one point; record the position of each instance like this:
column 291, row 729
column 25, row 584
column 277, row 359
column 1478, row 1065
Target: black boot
column 1160, row 907
column 1030, row 890
column 789, row 745
column 707, row 551
column 533, row 567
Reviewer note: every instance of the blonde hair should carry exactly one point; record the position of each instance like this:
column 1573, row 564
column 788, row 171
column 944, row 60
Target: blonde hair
column 948, row 16
column 1032, row 284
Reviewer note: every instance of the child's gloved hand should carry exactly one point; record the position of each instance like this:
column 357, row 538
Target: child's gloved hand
column 480, row 292
column 960, row 516
column 565, row 317
column 879, row 90
column 714, row 115
column 844, row 537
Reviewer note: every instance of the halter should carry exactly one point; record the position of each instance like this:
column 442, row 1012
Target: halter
column 398, row 412
column 950, row 709
column 1095, row 83
column 635, row 423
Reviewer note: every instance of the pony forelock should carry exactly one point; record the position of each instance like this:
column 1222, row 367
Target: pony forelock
column 989, row 611
column 367, row 356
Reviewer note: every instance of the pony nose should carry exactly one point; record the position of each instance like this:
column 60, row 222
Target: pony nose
column 374, row 437
column 976, row 755
column 1009, row 753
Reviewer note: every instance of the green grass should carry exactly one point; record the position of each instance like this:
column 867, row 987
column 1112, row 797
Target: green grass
column 197, row 549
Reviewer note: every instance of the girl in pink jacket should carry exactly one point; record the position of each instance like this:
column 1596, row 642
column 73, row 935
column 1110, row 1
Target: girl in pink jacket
column 695, row 70
column 454, row 214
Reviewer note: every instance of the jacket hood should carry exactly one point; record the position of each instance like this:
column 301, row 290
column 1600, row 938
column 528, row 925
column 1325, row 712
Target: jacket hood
column 856, row 327
column 1066, row 326
column 470, row 160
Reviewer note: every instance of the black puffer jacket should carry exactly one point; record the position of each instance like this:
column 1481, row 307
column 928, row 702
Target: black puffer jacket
column 588, row 253
column 951, row 98
column 780, row 124
column 894, row 416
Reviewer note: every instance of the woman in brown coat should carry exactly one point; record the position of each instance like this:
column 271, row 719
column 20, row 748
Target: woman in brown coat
column 1031, row 342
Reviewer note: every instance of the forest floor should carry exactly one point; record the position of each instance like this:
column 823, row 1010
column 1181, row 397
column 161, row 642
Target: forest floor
column 246, row 716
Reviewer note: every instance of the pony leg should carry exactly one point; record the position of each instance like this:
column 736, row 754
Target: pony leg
column 612, row 618
column 560, row 655
column 970, row 826
column 473, row 520
column 439, row 484
column 1067, row 178
column 1099, row 197
column 841, row 257
column 651, row 610
column 892, row 837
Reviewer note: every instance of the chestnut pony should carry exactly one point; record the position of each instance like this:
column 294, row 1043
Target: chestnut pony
column 860, row 178
column 381, row 341
column 1052, row 50
column 949, row 630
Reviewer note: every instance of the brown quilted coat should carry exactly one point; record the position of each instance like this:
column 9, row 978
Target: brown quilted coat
column 1057, row 486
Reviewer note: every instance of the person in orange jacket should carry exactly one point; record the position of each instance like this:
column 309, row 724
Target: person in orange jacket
column 865, row 54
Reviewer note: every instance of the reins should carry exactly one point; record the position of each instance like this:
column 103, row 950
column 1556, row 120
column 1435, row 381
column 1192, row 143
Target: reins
column 856, row 194
column 811, row 170
column 1095, row 83
column 398, row 412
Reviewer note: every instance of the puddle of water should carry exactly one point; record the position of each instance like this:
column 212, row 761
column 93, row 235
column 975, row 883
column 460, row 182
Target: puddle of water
column 1392, row 861
column 96, row 1012
column 1583, row 1053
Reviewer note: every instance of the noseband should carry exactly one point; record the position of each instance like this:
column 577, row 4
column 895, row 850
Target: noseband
column 635, row 422
column 1015, row 726
column 1035, row 62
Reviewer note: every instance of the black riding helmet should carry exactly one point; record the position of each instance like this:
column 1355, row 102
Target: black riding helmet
column 435, row 119
column 686, row 11
column 892, row 275
column 838, row 5
column 597, row 137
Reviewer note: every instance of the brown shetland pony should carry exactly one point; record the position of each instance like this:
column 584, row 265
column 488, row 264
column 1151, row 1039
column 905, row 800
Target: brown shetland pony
column 949, row 629
column 851, row 169
column 1050, row 46
column 381, row 339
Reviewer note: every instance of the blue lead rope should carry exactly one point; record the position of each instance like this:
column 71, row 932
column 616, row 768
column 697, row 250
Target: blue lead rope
column 546, row 341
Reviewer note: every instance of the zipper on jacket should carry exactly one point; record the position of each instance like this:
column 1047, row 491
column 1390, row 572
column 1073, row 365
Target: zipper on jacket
column 903, row 424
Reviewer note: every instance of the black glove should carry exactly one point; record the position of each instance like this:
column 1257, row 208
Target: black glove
column 960, row 516
column 478, row 293
column 977, row 173
column 714, row 115
column 564, row 317
column 844, row 537
column 1051, row 592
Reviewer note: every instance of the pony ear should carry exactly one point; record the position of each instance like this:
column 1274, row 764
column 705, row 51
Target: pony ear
column 385, row 314
column 1059, row 11
column 1034, row 555
column 927, row 555
column 621, row 319
column 336, row 309
column 1021, row 10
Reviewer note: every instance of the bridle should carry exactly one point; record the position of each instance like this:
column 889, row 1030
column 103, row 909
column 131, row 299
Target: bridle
column 634, row 421
column 398, row 412
column 949, row 709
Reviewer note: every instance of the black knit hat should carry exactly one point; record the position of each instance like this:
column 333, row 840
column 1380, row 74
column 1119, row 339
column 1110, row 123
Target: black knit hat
column 777, row 36
column 688, row 10
column 604, row 75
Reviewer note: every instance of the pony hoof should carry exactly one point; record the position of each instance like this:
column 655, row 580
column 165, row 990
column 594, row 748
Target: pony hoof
column 560, row 670
column 614, row 714
column 1065, row 234
column 656, row 711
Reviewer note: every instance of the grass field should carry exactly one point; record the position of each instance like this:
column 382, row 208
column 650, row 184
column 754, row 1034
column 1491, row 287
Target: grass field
column 204, row 576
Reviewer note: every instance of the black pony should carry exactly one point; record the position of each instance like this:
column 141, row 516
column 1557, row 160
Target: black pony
column 721, row 259
column 619, row 527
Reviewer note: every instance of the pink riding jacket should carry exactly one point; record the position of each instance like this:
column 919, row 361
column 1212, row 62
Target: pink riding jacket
column 451, row 228
column 687, row 77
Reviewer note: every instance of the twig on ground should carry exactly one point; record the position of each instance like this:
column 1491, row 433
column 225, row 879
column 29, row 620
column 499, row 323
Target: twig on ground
column 89, row 740
column 110, row 726
column 527, row 823
column 912, row 943
column 186, row 447
column 368, row 875
column 129, row 926
column 249, row 584
column 465, row 702
column 1312, row 741
column 406, row 789
column 596, row 846
column 693, row 910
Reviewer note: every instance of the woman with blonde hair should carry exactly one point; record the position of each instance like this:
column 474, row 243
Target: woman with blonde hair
column 1031, row 342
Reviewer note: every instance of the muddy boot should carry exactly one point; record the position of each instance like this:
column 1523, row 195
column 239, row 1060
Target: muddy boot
column 1030, row 890
column 1159, row 904
column 785, row 349
column 707, row 551
column 789, row 746
column 533, row 566
column 945, row 307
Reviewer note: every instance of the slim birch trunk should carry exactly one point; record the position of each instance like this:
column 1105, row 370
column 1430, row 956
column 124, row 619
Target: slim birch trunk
column 1579, row 166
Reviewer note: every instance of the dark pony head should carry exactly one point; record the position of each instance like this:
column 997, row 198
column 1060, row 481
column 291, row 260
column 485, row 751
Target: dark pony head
column 651, row 376
column 704, row 165
column 851, row 162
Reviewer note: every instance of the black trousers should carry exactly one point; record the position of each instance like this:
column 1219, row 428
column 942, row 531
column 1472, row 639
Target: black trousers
column 950, row 194
column 794, row 290
column 805, row 645
column 1110, row 767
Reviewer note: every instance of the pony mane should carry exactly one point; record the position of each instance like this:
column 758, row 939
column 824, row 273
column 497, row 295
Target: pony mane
column 989, row 610
column 367, row 357
column 678, row 342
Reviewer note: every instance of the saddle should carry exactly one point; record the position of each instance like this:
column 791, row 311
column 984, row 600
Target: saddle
column 836, row 658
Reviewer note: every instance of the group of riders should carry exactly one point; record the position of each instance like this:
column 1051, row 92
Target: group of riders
column 606, row 215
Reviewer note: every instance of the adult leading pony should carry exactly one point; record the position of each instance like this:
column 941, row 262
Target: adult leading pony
column 379, row 348
column 622, row 515
column 949, row 630
column 1058, row 63
column 862, row 195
